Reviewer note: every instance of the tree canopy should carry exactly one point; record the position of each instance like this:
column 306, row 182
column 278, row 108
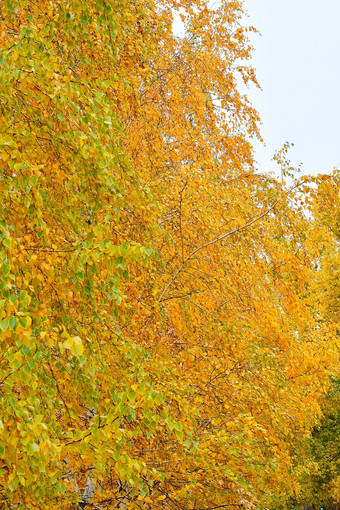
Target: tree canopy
column 161, row 343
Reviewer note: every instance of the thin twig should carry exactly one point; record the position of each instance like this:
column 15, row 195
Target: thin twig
column 214, row 241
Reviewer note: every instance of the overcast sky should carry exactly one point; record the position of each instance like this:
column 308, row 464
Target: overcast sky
column 297, row 59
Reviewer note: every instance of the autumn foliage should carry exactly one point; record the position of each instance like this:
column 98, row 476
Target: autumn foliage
column 160, row 341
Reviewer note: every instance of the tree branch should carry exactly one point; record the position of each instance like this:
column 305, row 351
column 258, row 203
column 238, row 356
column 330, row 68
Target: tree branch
column 214, row 241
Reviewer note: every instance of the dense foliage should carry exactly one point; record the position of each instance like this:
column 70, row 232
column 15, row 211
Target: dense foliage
column 319, row 471
column 161, row 344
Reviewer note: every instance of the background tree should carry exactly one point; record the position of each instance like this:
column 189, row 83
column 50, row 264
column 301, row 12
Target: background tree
column 319, row 472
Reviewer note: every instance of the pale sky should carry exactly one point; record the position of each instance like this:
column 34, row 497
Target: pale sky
column 297, row 59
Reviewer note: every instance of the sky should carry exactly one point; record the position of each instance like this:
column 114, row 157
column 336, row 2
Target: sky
column 297, row 60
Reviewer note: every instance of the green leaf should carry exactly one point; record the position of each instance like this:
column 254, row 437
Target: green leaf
column 4, row 324
column 23, row 295
column 34, row 447
column 5, row 269
column 23, row 322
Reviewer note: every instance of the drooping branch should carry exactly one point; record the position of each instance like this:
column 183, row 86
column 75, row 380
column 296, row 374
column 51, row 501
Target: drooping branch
column 214, row 241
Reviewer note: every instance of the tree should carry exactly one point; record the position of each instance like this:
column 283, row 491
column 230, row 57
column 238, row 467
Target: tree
column 69, row 202
column 158, row 345
column 319, row 472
